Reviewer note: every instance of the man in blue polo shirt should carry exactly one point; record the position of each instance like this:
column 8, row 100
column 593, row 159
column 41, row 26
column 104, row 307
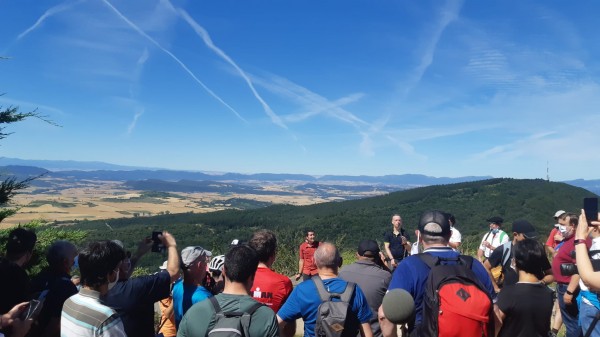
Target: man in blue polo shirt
column 412, row 273
column 304, row 299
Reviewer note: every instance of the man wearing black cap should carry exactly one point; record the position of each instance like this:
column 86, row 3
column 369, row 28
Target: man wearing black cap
column 412, row 273
column 371, row 275
column 494, row 238
column 502, row 256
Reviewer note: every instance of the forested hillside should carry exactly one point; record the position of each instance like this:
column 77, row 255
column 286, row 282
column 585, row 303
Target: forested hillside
column 349, row 221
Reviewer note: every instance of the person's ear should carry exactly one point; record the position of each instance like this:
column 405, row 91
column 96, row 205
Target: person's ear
column 340, row 262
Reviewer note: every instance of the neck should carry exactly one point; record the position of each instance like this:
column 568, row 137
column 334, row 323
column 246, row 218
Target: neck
column 189, row 278
column 526, row 277
column 235, row 288
column 327, row 273
column 103, row 289
column 264, row 265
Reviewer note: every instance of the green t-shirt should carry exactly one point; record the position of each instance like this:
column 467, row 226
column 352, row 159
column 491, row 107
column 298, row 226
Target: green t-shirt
column 196, row 322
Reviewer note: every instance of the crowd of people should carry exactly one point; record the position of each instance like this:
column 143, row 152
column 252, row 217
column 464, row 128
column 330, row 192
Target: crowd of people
column 509, row 282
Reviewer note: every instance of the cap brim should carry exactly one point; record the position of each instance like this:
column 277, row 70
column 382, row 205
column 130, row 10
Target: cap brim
column 531, row 235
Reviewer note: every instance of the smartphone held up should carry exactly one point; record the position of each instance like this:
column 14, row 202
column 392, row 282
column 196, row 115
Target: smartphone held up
column 157, row 245
column 590, row 207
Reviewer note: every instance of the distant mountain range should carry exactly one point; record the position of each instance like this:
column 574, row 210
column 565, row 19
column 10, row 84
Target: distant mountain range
column 149, row 178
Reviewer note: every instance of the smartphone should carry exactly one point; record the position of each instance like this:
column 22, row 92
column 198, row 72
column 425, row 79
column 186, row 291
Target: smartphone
column 157, row 245
column 33, row 309
column 590, row 206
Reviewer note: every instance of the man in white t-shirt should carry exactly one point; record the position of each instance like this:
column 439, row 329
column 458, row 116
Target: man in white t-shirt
column 492, row 239
column 455, row 236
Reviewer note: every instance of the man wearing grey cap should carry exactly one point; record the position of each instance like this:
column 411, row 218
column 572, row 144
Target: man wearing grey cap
column 188, row 291
column 371, row 276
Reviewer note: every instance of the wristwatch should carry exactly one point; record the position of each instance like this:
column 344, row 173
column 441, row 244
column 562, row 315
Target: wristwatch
column 578, row 241
column 569, row 292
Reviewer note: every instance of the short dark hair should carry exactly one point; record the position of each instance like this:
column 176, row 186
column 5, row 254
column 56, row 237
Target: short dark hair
column 529, row 257
column 573, row 219
column 58, row 252
column 98, row 260
column 264, row 242
column 241, row 263
column 20, row 241
column 308, row 231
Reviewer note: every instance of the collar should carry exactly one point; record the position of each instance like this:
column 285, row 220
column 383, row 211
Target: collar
column 438, row 249
column 90, row 293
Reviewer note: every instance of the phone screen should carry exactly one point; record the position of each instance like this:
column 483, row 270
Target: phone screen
column 590, row 206
column 32, row 310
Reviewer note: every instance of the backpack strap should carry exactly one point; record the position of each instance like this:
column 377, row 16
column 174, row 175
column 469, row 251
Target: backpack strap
column 247, row 316
column 507, row 252
column 215, row 305
column 466, row 260
column 430, row 260
column 347, row 294
column 501, row 235
column 323, row 293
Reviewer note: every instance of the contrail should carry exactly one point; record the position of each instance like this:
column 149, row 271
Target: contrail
column 141, row 32
column 47, row 14
column 209, row 43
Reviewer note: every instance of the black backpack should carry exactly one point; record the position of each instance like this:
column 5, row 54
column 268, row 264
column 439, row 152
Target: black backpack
column 232, row 324
column 455, row 303
column 335, row 318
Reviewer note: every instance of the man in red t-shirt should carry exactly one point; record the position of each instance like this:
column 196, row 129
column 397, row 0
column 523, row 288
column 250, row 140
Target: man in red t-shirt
column 306, row 265
column 269, row 287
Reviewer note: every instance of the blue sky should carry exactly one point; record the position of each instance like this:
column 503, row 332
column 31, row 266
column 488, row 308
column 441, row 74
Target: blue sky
column 442, row 88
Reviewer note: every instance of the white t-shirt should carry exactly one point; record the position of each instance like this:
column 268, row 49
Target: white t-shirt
column 494, row 239
column 455, row 237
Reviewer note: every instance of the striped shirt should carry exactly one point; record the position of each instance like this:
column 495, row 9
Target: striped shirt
column 83, row 314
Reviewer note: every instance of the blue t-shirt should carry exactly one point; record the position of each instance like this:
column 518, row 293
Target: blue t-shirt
column 304, row 302
column 184, row 296
column 412, row 273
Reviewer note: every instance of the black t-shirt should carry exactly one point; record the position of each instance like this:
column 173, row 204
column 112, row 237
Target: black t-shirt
column 510, row 275
column 14, row 285
column 395, row 242
column 134, row 300
column 527, row 308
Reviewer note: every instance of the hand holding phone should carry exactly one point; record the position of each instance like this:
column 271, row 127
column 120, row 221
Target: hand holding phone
column 157, row 245
column 33, row 309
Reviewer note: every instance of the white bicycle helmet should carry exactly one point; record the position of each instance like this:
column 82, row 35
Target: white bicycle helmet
column 217, row 263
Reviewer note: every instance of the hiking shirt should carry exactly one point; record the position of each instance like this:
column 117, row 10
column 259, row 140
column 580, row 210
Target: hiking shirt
column 564, row 256
column 412, row 273
column 184, row 296
column 196, row 322
column 304, row 302
column 271, row 288
column 494, row 239
column 307, row 252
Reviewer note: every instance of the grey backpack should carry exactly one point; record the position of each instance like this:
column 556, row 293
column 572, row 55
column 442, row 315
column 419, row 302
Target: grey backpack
column 231, row 324
column 335, row 318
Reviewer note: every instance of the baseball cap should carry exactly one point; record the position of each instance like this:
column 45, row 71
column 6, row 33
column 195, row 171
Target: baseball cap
column 524, row 227
column 192, row 253
column 368, row 248
column 559, row 213
column 495, row 219
column 434, row 217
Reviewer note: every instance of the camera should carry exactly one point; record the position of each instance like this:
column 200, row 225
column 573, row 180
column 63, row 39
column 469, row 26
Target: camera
column 157, row 245
column 568, row 269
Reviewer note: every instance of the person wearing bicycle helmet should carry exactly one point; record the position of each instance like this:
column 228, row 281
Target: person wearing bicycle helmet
column 215, row 267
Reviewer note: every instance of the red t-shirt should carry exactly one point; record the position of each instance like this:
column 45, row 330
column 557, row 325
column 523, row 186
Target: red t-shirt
column 271, row 288
column 564, row 256
column 551, row 242
column 307, row 253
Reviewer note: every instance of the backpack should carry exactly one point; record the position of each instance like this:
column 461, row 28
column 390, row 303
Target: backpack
column 233, row 323
column 455, row 303
column 498, row 271
column 332, row 316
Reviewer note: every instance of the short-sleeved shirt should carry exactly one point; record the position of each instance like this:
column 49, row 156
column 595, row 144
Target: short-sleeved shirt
column 134, row 300
column 412, row 273
column 304, row 302
column 395, row 242
column 564, row 256
column 455, row 236
column 307, row 252
column 510, row 274
column 527, row 308
column 196, row 321
column 373, row 281
column 271, row 288
column 168, row 323
column 495, row 240
column 184, row 296
column 84, row 315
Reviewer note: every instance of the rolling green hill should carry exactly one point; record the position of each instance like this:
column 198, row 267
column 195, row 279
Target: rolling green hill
column 350, row 221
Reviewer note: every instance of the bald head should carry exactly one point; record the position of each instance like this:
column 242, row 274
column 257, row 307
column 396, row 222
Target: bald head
column 327, row 256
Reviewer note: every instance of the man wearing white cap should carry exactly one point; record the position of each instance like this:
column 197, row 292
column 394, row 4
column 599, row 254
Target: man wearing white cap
column 188, row 291
column 555, row 237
